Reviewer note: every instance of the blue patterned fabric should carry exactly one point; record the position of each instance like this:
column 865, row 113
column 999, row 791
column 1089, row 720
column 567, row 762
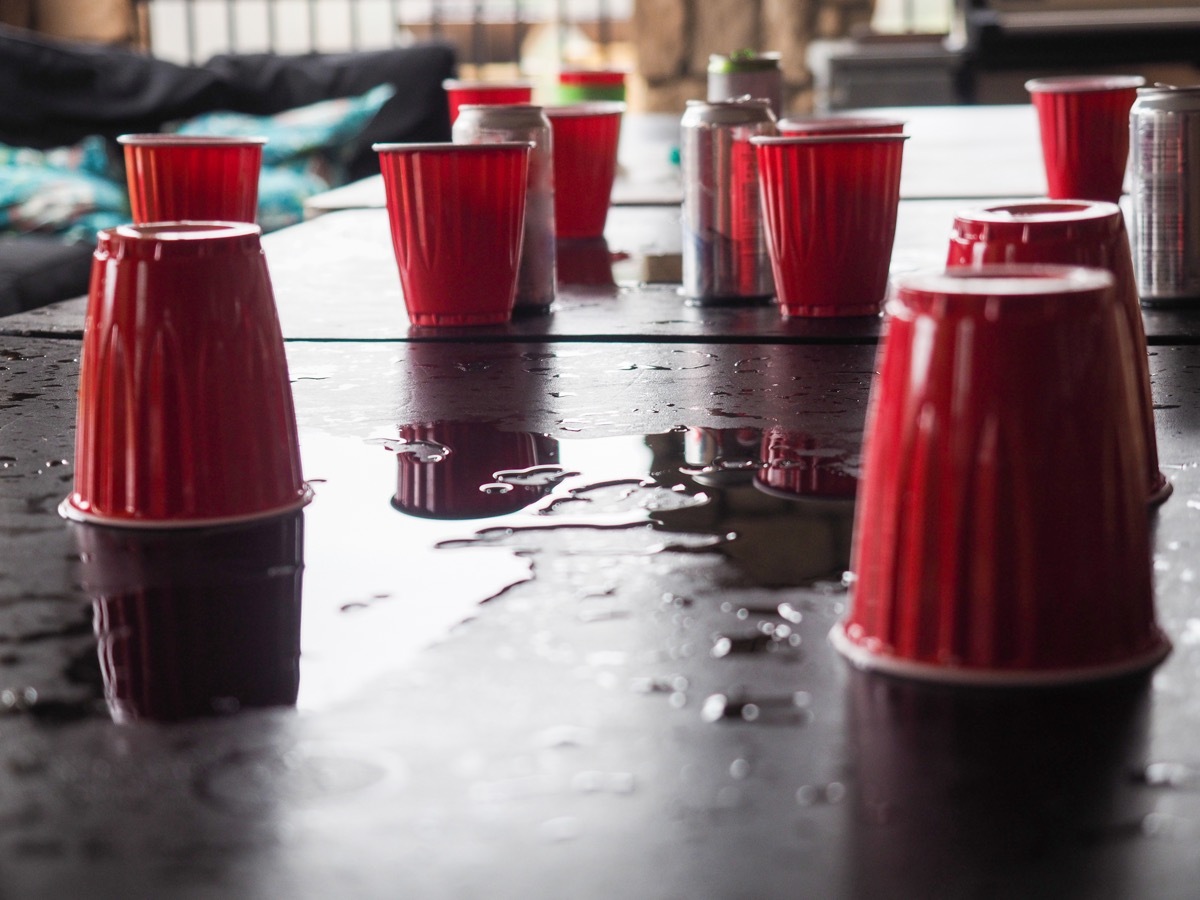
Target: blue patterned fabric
column 74, row 191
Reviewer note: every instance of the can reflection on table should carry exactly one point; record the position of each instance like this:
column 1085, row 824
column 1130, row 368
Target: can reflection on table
column 1165, row 170
column 724, row 245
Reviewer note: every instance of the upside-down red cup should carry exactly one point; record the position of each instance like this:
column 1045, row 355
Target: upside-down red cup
column 185, row 414
column 457, row 216
column 173, row 177
column 1001, row 535
column 1083, row 121
column 196, row 622
column 471, row 470
column 585, row 137
column 795, row 464
column 489, row 93
column 829, row 205
column 818, row 125
column 1067, row 232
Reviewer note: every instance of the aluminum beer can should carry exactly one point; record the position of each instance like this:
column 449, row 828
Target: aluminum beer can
column 1164, row 126
column 746, row 74
column 478, row 124
column 724, row 244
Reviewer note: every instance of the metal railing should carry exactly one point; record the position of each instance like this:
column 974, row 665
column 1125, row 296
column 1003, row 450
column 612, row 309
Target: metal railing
column 485, row 31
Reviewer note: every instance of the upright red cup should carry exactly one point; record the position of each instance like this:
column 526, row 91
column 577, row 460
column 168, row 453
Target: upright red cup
column 582, row 85
column 185, row 412
column 173, row 177
column 196, row 622
column 491, row 93
column 1068, row 232
column 457, row 214
column 585, row 137
column 825, row 125
column 830, row 205
column 469, row 470
column 1083, row 121
column 1001, row 534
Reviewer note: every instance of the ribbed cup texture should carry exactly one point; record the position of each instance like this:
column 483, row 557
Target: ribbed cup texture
column 1085, row 141
column 456, row 214
column 176, row 178
column 585, row 166
column 185, row 408
column 1002, row 522
column 829, row 205
column 1083, row 233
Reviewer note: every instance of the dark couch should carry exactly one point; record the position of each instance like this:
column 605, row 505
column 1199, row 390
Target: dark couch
column 55, row 93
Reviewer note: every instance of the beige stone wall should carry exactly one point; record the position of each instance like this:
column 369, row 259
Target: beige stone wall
column 673, row 40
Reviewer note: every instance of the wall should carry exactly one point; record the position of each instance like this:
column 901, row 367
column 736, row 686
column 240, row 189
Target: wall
column 673, row 40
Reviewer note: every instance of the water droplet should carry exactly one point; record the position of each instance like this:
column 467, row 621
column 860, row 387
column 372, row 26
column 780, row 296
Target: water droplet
column 739, row 769
column 495, row 488
column 564, row 828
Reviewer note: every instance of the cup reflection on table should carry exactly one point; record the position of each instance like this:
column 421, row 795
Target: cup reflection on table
column 795, row 464
column 470, row 470
column 196, row 622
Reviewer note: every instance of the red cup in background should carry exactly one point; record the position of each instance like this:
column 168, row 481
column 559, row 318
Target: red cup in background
column 819, row 125
column 1001, row 535
column 586, row 262
column 185, row 412
column 196, row 622
column 470, row 470
column 829, row 206
column 1068, row 232
column 490, row 93
column 582, row 85
column 585, row 138
column 457, row 215
column 1083, row 121
column 172, row 177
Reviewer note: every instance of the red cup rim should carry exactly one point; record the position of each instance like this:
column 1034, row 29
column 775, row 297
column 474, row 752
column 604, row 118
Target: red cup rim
column 1065, row 84
column 591, row 76
column 447, row 147
column 586, row 108
column 1040, row 211
column 189, row 140
column 820, row 124
column 455, row 84
column 1005, row 279
column 784, row 140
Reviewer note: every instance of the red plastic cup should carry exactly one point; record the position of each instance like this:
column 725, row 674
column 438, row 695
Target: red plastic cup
column 1084, row 125
column 489, row 93
column 586, row 262
column 829, row 205
column 585, row 137
column 173, row 177
column 582, row 85
column 1001, row 534
column 457, row 214
column 825, row 125
column 1068, row 232
column 470, row 470
column 185, row 413
column 798, row 466
column 196, row 622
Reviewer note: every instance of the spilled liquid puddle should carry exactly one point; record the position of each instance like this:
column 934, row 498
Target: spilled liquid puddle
column 412, row 530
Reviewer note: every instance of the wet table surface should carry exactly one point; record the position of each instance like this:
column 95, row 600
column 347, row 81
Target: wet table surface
column 608, row 675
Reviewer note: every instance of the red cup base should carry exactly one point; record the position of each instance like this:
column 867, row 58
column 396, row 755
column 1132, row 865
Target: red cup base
column 862, row 658
column 828, row 312
column 430, row 320
column 1161, row 491
column 69, row 510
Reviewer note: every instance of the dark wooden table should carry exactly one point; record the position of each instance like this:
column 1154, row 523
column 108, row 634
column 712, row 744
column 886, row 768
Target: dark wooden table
column 620, row 685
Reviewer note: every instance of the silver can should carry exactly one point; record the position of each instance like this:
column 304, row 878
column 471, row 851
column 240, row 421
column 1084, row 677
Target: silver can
column 536, row 280
column 725, row 257
column 1164, row 126
column 746, row 74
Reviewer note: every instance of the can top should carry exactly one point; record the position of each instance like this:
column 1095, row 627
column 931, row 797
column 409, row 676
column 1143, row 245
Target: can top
column 508, row 115
column 741, row 111
column 743, row 61
column 1169, row 97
